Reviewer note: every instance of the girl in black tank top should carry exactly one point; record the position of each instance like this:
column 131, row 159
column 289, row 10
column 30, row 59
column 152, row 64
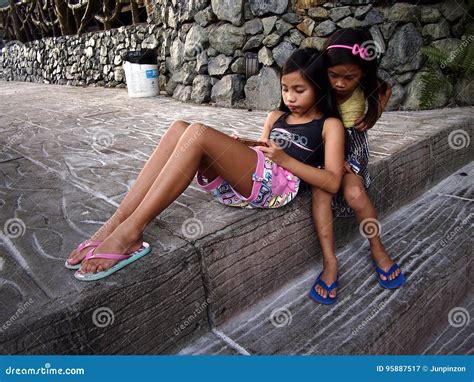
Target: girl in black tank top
column 259, row 177
column 302, row 141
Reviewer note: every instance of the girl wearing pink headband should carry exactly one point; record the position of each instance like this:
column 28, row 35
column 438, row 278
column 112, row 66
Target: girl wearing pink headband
column 351, row 56
column 356, row 50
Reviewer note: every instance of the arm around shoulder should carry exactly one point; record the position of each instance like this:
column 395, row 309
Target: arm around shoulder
column 384, row 96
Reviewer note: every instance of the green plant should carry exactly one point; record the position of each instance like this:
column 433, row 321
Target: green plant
column 444, row 69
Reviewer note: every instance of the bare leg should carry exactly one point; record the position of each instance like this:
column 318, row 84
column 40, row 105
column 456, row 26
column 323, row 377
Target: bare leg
column 323, row 220
column 358, row 200
column 141, row 186
column 199, row 146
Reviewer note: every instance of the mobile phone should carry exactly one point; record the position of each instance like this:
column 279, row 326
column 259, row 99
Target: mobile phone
column 251, row 142
column 354, row 165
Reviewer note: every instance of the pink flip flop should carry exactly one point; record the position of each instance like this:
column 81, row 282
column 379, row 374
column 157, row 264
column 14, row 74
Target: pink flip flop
column 80, row 247
column 124, row 260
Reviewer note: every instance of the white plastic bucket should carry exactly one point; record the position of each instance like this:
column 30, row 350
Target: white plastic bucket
column 142, row 80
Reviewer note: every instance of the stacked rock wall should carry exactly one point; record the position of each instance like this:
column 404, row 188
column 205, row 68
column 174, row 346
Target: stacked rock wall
column 88, row 59
column 202, row 44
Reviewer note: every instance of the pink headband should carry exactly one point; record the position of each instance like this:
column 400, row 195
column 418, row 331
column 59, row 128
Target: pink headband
column 356, row 50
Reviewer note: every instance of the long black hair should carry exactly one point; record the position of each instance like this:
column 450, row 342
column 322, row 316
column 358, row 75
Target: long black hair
column 313, row 67
column 311, row 64
column 370, row 83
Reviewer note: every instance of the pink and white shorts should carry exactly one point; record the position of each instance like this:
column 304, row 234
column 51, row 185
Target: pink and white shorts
column 273, row 186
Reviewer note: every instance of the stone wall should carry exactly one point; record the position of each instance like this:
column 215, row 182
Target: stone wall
column 88, row 59
column 201, row 47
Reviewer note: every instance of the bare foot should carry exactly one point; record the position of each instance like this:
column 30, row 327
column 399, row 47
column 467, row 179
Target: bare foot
column 102, row 233
column 122, row 241
column 329, row 276
column 383, row 260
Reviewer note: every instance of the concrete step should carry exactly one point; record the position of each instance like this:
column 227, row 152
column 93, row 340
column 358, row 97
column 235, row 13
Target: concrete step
column 237, row 275
column 431, row 238
column 68, row 159
column 454, row 335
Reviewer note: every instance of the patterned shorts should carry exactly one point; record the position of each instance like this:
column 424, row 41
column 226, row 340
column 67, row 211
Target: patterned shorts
column 273, row 186
column 359, row 150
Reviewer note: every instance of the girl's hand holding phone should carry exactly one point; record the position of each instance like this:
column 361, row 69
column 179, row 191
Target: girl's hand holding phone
column 250, row 142
column 273, row 151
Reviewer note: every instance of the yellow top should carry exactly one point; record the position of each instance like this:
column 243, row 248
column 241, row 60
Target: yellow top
column 352, row 108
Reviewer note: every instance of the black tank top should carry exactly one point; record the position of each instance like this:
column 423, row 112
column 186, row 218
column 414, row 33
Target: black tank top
column 302, row 141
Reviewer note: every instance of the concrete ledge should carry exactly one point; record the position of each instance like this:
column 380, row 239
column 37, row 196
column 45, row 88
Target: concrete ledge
column 242, row 266
column 63, row 186
column 430, row 238
column 45, row 310
column 131, row 314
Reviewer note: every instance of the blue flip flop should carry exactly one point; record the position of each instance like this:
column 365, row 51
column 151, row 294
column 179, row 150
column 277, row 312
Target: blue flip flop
column 124, row 261
column 389, row 284
column 317, row 297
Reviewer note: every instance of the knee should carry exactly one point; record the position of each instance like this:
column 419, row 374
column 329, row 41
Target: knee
column 355, row 196
column 179, row 125
column 178, row 128
column 195, row 132
column 197, row 127
column 320, row 196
